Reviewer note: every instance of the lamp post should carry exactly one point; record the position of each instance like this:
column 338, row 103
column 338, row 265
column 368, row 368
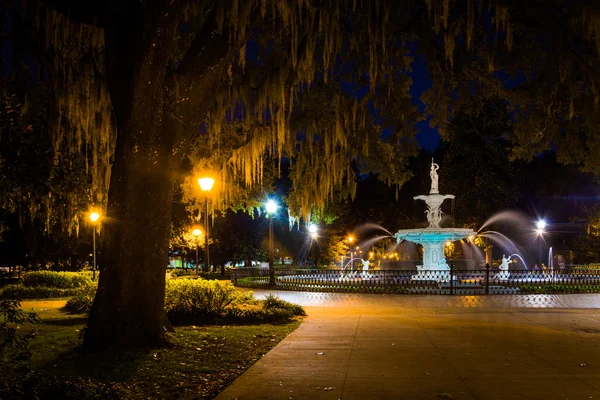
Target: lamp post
column 540, row 230
column 271, row 208
column 206, row 185
column 350, row 240
column 94, row 218
column 197, row 233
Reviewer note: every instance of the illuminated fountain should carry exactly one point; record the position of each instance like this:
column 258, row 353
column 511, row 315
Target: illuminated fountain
column 433, row 238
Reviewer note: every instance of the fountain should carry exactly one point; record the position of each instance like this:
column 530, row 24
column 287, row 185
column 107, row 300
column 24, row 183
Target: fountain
column 433, row 238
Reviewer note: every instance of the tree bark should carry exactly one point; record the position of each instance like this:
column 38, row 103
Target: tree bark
column 129, row 307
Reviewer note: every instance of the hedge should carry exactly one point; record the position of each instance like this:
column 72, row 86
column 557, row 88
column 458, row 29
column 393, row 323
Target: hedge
column 197, row 301
column 38, row 292
column 59, row 280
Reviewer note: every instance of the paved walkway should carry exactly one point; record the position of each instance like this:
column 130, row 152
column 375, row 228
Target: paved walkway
column 432, row 347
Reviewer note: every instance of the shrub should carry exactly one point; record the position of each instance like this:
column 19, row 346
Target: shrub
column 272, row 309
column 558, row 288
column 11, row 316
column 38, row 292
column 81, row 302
column 177, row 272
column 188, row 301
column 197, row 301
column 59, row 280
column 275, row 303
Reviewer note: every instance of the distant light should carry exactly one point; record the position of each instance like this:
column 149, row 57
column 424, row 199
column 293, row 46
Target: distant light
column 540, row 231
column 312, row 228
column 94, row 216
column 541, row 225
column 350, row 239
column 206, row 184
column 271, row 206
column 196, row 232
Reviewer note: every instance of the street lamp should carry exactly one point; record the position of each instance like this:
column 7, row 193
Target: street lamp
column 197, row 233
column 350, row 240
column 206, row 185
column 541, row 227
column 313, row 229
column 271, row 208
column 540, row 230
column 94, row 218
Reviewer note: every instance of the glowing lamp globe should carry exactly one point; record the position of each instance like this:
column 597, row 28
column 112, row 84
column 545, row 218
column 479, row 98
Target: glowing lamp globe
column 271, row 206
column 196, row 232
column 94, row 216
column 541, row 225
column 206, row 184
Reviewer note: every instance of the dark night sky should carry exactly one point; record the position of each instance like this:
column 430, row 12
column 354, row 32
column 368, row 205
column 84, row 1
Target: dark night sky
column 427, row 137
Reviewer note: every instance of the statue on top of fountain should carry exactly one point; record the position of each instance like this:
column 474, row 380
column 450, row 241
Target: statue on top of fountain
column 434, row 178
column 434, row 199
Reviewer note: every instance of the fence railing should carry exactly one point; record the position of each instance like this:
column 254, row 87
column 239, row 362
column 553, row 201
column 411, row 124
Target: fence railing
column 489, row 280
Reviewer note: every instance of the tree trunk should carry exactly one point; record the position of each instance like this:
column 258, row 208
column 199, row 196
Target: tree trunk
column 129, row 306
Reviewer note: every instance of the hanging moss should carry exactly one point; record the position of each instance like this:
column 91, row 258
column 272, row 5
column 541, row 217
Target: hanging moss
column 81, row 115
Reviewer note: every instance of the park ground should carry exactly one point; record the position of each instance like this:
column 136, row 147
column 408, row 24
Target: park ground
column 202, row 361
column 432, row 347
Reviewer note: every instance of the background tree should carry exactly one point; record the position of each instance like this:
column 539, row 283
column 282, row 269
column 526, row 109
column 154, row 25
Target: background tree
column 476, row 165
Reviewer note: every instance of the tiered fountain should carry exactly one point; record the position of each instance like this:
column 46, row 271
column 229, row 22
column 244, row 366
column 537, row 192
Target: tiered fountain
column 433, row 238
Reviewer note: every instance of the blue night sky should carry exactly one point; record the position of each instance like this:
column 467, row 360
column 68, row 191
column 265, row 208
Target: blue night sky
column 427, row 137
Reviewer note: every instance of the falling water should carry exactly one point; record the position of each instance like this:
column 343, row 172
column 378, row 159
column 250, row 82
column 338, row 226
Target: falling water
column 372, row 226
column 521, row 258
column 472, row 251
column 350, row 261
column 514, row 217
column 501, row 239
column 367, row 244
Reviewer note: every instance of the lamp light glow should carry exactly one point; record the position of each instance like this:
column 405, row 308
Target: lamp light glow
column 541, row 225
column 196, row 232
column 94, row 216
column 206, row 184
column 271, row 206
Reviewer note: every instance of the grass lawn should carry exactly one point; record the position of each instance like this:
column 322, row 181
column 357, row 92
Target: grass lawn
column 201, row 363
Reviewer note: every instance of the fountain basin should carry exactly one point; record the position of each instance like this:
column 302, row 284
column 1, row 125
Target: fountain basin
column 433, row 241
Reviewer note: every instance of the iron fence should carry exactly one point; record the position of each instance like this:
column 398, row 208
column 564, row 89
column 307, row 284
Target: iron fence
column 489, row 280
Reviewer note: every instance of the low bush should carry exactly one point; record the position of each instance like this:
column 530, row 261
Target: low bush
column 557, row 288
column 177, row 272
column 12, row 344
column 81, row 302
column 190, row 301
column 36, row 292
column 59, row 280
column 197, row 301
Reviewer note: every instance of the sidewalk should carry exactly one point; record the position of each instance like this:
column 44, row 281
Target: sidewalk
column 432, row 347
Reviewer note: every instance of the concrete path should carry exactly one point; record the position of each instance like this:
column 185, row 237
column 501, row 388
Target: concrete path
column 432, row 347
